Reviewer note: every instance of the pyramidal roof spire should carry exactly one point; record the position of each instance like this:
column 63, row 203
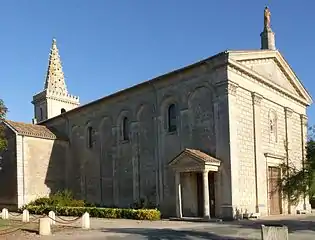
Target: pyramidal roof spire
column 55, row 80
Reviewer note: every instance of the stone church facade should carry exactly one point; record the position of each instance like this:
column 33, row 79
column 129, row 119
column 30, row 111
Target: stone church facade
column 205, row 140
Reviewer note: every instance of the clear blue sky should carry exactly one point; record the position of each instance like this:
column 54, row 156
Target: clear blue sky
column 108, row 45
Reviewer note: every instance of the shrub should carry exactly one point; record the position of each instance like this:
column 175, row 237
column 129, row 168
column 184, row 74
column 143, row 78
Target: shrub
column 141, row 214
column 62, row 199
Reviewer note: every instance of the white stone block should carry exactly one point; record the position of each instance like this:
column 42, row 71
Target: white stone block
column 44, row 226
column 274, row 232
column 5, row 213
column 26, row 216
column 86, row 221
column 52, row 217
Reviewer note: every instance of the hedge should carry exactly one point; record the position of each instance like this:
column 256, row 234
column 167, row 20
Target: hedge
column 138, row 214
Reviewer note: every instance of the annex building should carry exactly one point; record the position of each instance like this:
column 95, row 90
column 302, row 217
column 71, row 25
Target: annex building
column 205, row 140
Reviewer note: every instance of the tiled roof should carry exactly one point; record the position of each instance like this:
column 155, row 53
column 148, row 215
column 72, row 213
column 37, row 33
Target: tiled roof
column 201, row 155
column 34, row 130
column 197, row 154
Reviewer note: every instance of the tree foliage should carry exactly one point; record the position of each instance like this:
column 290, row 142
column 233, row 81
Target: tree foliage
column 3, row 112
column 298, row 182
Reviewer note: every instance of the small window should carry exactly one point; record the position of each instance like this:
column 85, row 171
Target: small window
column 63, row 110
column 89, row 137
column 125, row 130
column 172, row 118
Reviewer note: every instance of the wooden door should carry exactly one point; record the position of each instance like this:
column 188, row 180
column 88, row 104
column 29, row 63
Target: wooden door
column 273, row 190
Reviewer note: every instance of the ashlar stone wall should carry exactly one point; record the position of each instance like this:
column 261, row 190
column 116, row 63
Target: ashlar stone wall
column 267, row 121
column 111, row 169
column 44, row 167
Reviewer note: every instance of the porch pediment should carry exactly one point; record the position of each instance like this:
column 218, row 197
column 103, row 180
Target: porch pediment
column 190, row 160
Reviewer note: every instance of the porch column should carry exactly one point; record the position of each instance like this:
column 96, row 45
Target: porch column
column 206, row 202
column 178, row 195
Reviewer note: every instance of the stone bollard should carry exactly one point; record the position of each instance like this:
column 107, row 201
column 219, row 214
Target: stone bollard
column 5, row 213
column 44, row 226
column 26, row 216
column 274, row 232
column 52, row 219
column 86, row 221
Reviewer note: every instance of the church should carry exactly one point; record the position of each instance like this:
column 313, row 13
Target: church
column 204, row 141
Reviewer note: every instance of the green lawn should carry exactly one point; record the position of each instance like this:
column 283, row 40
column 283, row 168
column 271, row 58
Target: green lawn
column 4, row 223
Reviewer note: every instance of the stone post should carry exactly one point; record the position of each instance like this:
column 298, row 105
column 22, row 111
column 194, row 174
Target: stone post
column 179, row 213
column 5, row 213
column 44, row 226
column 274, row 232
column 52, row 218
column 206, row 200
column 86, row 221
column 26, row 216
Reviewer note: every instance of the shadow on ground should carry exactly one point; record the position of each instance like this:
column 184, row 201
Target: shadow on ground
column 169, row 234
column 293, row 225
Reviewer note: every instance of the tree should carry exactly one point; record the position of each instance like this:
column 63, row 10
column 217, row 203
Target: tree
column 3, row 112
column 297, row 182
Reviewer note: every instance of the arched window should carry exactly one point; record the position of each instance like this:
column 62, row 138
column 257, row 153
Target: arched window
column 125, row 128
column 63, row 110
column 172, row 118
column 41, row 114
column 89, row 137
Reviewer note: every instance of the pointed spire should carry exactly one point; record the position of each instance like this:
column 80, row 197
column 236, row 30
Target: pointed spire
column 55, row 80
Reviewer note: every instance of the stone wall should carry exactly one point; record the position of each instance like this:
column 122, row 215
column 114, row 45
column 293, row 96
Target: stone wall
column 44, row 167
column 119, row 172
column 267, row 121
column 245, row 143
column 219, row 110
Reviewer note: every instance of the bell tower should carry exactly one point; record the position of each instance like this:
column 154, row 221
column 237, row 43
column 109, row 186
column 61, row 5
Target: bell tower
column 54, row 99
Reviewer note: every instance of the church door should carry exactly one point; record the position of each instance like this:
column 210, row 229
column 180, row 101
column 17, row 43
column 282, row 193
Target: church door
column 274, row 192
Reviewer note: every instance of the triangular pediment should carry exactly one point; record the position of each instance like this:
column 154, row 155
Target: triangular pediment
column 272, row 66
column 191, row 159
column 185, row 161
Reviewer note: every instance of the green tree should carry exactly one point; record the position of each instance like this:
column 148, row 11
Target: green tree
column 3, row 112
column 297, row 182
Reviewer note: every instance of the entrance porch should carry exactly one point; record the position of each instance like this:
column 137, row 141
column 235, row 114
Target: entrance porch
column 195, row 183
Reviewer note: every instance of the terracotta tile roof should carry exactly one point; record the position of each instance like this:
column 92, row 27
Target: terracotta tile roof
column 201, row 155
column 34, row 130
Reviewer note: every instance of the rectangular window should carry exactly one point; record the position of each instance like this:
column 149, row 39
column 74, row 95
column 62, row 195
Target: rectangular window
column 90, row 136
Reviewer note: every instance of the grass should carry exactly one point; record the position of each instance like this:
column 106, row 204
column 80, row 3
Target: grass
column 4, row 224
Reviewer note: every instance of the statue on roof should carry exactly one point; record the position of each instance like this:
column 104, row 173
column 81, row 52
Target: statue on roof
column 267, row 16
